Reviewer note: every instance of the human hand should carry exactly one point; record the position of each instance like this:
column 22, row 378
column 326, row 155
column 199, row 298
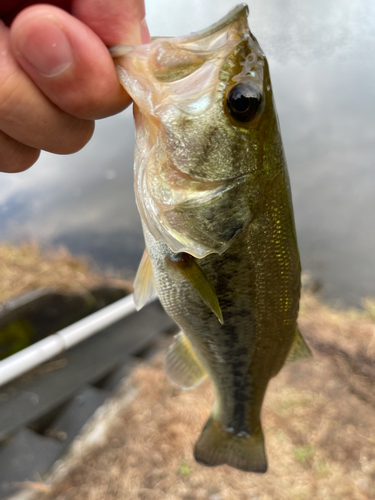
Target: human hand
column 56, row 74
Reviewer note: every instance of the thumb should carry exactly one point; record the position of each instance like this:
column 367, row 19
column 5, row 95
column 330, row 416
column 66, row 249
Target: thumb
column 69, row 62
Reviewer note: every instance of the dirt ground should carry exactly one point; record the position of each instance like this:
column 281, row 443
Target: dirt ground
column 318, row 420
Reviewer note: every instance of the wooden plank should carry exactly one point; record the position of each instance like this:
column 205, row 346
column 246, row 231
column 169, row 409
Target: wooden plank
column 87, row 362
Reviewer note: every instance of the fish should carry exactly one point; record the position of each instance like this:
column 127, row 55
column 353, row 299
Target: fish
column 213, row 193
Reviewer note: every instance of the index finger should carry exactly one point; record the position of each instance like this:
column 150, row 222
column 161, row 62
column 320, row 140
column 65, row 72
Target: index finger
column 116, row 22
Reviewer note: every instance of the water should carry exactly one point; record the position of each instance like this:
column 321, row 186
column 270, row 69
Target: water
column 320, row 56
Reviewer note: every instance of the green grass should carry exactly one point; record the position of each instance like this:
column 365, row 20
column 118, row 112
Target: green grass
column 304, row 454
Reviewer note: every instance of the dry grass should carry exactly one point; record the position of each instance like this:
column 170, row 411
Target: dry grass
column 318, row 419
column 27, row 268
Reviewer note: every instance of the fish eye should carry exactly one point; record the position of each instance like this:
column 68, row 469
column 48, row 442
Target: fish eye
column 243, row 101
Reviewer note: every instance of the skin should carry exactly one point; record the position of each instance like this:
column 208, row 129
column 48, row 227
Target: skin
column 56, row 74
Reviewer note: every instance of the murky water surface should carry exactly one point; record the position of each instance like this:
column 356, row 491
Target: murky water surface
column 321, row 58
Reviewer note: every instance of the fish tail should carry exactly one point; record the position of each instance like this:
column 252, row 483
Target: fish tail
column 217, row 446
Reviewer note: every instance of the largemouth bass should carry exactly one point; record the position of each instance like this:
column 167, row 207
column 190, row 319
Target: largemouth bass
column 213, row 192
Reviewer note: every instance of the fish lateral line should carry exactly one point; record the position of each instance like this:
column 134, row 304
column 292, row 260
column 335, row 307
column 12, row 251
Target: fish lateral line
column 187, row 265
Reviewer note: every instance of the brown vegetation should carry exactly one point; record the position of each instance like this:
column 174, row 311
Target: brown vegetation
column 26, row 267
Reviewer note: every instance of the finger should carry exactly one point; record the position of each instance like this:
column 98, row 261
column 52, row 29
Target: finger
column 29, row 117
column 10, row 8
column 116, row 22
column 14, row 156
column 68, row 62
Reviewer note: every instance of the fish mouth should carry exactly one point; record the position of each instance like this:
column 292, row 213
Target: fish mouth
column 171, row 59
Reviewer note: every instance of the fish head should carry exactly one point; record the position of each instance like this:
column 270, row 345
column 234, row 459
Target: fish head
column 204, row 113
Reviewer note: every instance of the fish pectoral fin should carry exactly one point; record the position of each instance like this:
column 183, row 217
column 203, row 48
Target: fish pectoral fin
column 217, row 446
column 299, row 349
column 188, row 267
column 181, row 365
column 144, row 285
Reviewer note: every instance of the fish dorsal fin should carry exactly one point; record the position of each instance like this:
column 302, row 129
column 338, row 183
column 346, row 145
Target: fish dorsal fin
column 181, row 365
column 144, row 285
column 299, row 349
column 189, row 267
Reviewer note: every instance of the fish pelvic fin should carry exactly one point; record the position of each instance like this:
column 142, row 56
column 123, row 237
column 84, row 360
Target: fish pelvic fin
column 181, row 365
column 217, row 446
column 144, row 284
column 299, row 350
column 188, row 267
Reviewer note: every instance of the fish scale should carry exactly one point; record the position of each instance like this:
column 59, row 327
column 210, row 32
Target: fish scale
column 221, row 250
